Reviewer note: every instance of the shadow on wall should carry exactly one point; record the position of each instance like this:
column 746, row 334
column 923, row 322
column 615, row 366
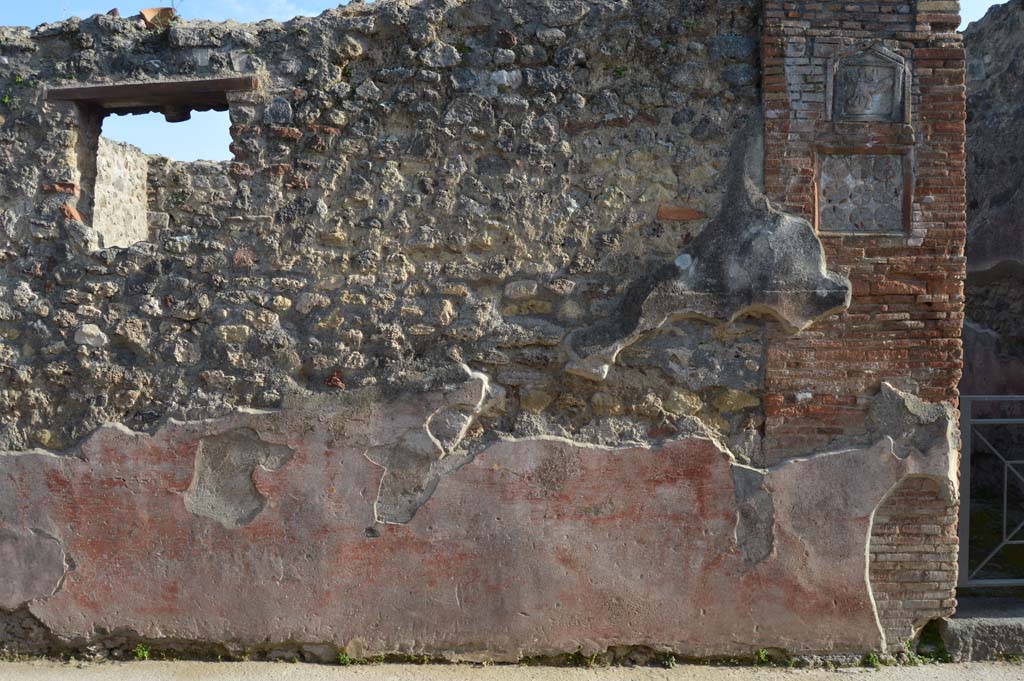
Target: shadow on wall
column 993, row 336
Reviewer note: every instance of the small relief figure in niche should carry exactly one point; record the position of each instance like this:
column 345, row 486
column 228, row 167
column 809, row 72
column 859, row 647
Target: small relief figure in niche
column 869, row 85
column 868, row 90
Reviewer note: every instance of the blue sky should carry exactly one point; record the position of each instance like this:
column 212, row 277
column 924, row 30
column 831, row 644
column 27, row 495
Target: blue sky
column 40, row 11
column 206, row 135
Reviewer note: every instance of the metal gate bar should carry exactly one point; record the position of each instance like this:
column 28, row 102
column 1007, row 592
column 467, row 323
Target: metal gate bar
column 966, row 577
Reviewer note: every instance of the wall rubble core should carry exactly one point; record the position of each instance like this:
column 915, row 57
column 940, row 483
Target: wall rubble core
column 121, row 206
column 450, row 360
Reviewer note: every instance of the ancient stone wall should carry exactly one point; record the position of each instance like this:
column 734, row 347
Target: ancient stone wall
column 418, row 208
column 489, row 341
column 913, row 557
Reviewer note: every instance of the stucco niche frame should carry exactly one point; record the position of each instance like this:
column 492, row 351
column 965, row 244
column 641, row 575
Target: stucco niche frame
column 868, row 83
column 906, row 155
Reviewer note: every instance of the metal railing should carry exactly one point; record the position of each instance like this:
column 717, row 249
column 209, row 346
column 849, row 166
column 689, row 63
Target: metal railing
column 1012, row 471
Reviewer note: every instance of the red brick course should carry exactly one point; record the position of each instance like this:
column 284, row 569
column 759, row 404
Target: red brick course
column 913, row 558
column 908, row 304
column 907, row 308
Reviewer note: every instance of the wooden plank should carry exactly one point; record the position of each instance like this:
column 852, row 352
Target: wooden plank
column 154, row 93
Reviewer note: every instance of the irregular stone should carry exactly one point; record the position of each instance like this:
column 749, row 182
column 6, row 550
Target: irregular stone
column 503, row 57
column 91, row 335
column 731, row 400
column 551, row 37
column 278, row 112
column 350, row 48
column 521, row 290
column 527, row 307
column 683, row 402
column 439, row 55
column 23, row 296
column 536, row 399
column 369, row 91
column 508, row 79
column 234, row 333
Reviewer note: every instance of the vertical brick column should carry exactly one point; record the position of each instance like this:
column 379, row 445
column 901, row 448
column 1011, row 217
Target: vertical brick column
column 906, row 265
column 912, row 557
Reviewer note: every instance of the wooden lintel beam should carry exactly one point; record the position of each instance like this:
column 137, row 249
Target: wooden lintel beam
column 155, row 93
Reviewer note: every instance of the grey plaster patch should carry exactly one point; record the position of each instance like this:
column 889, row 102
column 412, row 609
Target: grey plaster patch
column 755, row 514
column 413, row 455
column 752, row 259
column 916, row 427
column 408, row 480
column 222, row 487
column 32, row 566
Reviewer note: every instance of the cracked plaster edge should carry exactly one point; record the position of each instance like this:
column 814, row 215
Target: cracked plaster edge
column 67, row 565
column 67, row 561
column 706, row 434
column 488, row 392
column 867, row 564
column 224, row 424
column 944, row 483
column 170, row 425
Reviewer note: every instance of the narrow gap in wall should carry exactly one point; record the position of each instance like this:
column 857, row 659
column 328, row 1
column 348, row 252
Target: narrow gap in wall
column 126, row 146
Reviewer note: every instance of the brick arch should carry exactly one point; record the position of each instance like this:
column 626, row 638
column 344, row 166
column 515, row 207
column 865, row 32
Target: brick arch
column 912, row 557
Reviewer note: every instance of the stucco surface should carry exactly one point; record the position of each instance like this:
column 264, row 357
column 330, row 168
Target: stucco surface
column 535, row 546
